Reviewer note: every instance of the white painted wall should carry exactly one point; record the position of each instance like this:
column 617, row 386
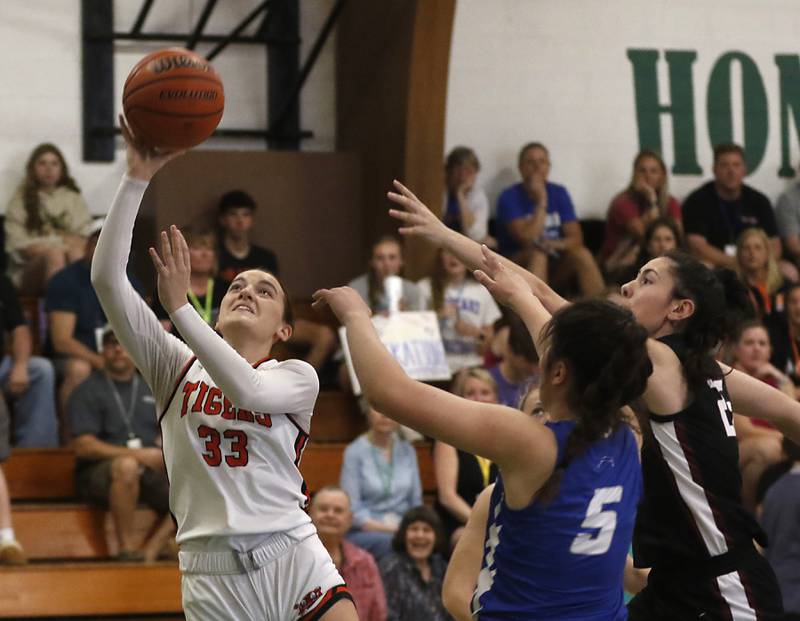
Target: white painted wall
column 556, row 71
column 40, row 70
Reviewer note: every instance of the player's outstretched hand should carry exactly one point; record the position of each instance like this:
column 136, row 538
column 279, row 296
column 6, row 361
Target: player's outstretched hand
column 143, row 162
column 345, row 303
column 416, row 218
column 505, row 286
column 173, row 268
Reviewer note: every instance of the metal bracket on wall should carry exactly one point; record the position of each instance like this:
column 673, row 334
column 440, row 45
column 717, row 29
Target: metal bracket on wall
column 278, row 32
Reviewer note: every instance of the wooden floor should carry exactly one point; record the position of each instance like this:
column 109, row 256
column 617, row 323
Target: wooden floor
column 70, row 544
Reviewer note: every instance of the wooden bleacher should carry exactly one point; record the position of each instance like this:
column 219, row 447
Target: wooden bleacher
column 70, row 543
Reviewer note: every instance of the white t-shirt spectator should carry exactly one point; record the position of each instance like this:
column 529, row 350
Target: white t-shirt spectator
column 475, row 305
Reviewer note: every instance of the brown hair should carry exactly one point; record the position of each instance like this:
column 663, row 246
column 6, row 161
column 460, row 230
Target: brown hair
column 662, row 193
column 374, row 283
column 725, row 148
column 30, row 186
column 424, row 514
column 438, row 283
column 461, row 156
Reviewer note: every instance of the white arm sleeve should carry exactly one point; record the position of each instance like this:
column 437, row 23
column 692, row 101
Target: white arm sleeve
column 290, row 387
column 158, row 355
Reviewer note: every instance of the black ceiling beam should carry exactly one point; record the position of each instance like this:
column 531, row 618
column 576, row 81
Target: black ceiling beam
column 180, row 37
column 308, row 65
column 201, row 24
column 143, row 12
column 97, row 79
column 238, row 30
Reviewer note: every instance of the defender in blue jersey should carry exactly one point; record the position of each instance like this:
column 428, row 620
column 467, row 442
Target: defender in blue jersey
column 579, row 471
column 564, row 558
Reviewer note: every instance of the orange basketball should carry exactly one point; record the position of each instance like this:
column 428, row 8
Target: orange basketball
column 173, row 99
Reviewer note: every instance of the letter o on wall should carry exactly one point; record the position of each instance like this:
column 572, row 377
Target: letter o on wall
column 754, row 107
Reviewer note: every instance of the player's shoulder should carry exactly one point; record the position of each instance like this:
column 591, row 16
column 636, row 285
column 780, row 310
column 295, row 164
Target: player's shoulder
column 304, row 371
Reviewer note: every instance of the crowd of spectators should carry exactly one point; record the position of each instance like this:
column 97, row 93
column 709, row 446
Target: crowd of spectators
column 391, row 548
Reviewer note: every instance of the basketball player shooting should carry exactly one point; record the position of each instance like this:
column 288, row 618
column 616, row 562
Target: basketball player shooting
column 234, row 426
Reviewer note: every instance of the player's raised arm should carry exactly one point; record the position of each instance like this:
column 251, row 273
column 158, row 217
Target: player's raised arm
column 755, row 399
column 506, row 436
column 291, row 388
column 158, row 355
column 419, row 221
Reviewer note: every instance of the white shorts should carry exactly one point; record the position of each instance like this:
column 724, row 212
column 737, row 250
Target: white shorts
column 289, row 577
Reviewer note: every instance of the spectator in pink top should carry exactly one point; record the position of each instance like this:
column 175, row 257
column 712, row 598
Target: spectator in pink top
column 645, row 199
column 330, row 512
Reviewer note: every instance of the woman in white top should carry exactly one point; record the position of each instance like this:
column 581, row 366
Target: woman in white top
column 465, row 308
column 234, row 426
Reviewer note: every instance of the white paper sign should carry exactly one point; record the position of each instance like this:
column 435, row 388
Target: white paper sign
column 413, row 339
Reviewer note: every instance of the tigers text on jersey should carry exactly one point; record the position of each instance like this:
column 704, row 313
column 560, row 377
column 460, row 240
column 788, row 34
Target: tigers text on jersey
column 564, row 559
column 232, row 471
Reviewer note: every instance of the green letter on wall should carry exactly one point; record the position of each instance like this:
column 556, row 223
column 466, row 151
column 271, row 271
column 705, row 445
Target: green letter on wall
column 754, row 100
column 789, row 71
column 681, row 106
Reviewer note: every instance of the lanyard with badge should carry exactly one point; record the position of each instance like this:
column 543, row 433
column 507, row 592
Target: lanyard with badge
column 133, row 441
column 204, row 312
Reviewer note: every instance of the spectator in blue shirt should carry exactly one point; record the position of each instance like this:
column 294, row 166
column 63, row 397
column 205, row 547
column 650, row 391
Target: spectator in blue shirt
column 538, row 228
column 75, row 321
column 381, row 476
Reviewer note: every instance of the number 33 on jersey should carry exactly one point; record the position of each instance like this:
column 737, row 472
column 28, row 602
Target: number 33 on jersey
column 233, row 470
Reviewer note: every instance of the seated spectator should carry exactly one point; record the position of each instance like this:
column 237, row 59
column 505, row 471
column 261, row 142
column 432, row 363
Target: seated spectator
column 461, row 476
column 779, row 518
column 759, row 271
column 330, row 512
column 787, row 217
column 45, row 222
column 466, row 207
column 237, row 254
column 759, row 442
column 206, row 290
column 28, row 381
column 784, row 329
column 660, row 236
column 11, row 552
column 465, row 308
column 518, row 371
column 381, row 477
column 716, row 213
column 119, row 463
column 414, row 573
column 386, row 259
column 645, row 200
column 75, row 319
column 537, row 227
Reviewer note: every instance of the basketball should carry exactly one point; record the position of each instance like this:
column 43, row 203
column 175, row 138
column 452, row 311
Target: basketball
column 173, row 99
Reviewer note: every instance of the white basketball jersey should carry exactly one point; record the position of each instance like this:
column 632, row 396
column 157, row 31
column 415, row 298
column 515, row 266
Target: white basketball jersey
column 232, row 471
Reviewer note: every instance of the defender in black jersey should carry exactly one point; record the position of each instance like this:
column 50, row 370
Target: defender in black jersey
column 692, row 529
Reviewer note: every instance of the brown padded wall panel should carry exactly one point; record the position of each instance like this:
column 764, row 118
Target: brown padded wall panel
column 391, row 68
column 309, row 209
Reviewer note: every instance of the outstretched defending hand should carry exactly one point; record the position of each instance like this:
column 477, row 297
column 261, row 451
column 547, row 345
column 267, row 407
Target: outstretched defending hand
column 505, row 286
column 143, row 162
column 345, row 303
column 173, row 268
column 417, row 219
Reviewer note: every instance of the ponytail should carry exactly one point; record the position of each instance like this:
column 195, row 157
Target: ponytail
column 605, row 351
column 721, row 304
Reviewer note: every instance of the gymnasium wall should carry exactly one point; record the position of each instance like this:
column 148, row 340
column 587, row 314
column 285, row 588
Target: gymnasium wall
column 572, row 74
column 40, row 70
column 309, row 209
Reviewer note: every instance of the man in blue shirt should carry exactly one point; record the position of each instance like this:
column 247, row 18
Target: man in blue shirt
column 538, row 228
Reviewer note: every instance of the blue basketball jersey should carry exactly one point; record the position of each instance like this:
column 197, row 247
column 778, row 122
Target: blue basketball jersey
column 564, row 559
